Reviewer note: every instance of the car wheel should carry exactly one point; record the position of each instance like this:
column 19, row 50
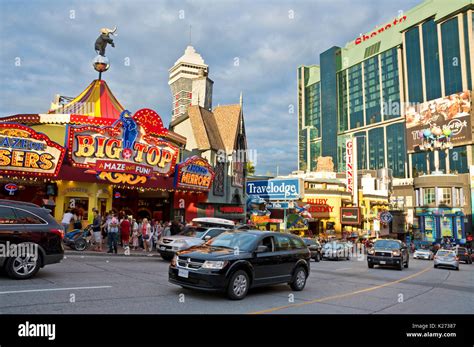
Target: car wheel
column 371, row 266
column 317, row 258
column 400, row 267
column 299, row 279
column 457, row 269
column 23, row 267
column 238, row 285
column 80, row 244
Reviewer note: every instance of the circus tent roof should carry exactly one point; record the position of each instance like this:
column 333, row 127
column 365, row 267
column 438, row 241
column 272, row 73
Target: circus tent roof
column 96, row 100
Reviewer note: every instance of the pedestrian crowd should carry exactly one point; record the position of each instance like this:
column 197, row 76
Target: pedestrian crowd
column 133, row 233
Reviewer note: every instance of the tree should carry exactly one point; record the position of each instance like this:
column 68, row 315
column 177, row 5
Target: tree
column 250, row 168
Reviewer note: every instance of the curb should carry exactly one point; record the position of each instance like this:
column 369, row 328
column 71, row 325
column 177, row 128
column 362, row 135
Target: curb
column 105, row 254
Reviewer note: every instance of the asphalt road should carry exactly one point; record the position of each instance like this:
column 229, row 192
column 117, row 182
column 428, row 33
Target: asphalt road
column 128, row 285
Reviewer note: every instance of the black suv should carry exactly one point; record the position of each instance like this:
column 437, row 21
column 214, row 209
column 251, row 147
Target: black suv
column 30, row 238
column 388, row 252
column 463, row 255
column 233, row 262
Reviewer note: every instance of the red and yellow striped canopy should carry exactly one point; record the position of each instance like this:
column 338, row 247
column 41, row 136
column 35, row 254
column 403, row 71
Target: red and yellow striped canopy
column 95, row 101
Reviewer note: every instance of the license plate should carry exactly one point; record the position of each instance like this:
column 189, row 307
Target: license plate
column 382, row 262
column 183, row 273
column 163, row 248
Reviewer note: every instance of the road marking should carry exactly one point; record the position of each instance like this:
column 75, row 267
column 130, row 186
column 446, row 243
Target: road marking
column 342, row 295
column 344, row 268
column 52, row 289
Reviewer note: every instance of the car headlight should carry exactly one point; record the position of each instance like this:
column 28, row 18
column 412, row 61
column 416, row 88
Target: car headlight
column 216, row 265
column 370, row 251
column 396, row 253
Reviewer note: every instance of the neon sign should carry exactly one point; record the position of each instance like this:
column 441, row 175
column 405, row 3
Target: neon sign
column 25, row 152
column 194, row 173
column 380, row 30
column 126, row 152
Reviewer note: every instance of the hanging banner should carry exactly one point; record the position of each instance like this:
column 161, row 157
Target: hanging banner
column 25, row 152
column 127, row 152
column 194, row 173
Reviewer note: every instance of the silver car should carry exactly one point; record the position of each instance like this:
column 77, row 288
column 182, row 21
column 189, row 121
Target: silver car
column 446, row 258
column 192, row 236
column 423, row 254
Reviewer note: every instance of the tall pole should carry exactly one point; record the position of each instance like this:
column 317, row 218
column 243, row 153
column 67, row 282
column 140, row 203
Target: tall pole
column 356, row 186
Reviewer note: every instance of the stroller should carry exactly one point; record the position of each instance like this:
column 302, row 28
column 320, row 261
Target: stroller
column 79, row 239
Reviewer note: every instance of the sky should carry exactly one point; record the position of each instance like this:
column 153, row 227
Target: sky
column 251, row 46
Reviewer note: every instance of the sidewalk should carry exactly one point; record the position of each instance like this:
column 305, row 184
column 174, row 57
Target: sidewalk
column 120, row 252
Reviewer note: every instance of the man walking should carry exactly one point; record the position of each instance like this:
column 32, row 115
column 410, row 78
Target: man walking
column 96, row 229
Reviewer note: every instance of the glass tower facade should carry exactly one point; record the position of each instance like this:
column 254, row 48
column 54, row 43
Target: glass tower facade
column 363, row 91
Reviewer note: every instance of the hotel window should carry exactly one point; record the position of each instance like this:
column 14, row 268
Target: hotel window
column 458, row 160
column 313, row 106
column 372, row 91
column 356, row 111
column 376, row 149
column 442, row 161
column 466, row 49
column 418, row 164
column 314, row 153
column 444, row 196
column 413, row 65
column 456, row 197
column 341, row 153
column 428, row 196
column 390, row 84
column 396, row 152
column 431, row 60
column 342, row 100
column 451, row 56
column 361, row 150
column 303, row 150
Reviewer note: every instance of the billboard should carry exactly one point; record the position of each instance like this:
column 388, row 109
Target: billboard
column 452, row 112
column 25, row 152
column 275, row 189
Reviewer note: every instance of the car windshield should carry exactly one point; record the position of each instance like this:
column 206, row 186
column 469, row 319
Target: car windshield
column 241, row 241
column 194, row 232
column 309, row 242
column 446, row 253
column 386, row 244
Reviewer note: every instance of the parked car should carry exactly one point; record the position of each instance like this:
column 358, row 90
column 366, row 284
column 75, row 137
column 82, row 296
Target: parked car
column 314, row 247
column 388, row 252
column 423, row 254
column 234, row 262
column 203, row 230
column 336, row 250
column 446, row 258
column 35, row 235
column 463, row 255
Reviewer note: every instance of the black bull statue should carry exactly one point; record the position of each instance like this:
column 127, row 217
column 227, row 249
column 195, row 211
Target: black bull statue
column 103, row 40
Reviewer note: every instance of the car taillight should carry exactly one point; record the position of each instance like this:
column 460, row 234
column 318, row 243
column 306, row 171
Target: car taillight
column 58, row 232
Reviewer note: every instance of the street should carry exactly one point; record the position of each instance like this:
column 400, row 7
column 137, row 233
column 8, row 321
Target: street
column 139, row 285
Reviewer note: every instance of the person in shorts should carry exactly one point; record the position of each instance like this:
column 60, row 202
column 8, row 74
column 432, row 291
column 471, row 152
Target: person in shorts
column 96, row 229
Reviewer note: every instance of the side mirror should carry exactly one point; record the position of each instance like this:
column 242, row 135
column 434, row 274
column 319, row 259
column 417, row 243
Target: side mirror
column 261, row 249
column 207, row 237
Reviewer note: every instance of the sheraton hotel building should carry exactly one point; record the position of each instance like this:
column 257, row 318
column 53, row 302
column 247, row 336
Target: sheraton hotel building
column 404, row 90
